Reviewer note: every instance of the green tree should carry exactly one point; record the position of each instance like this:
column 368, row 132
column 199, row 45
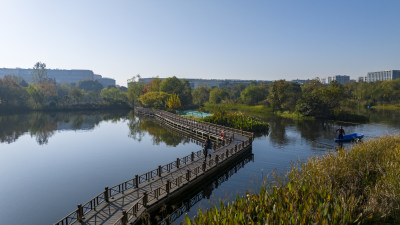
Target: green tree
column 90, row 85
column 113, row 95
column 172, row 85
column 135, row 89
column 39, row 72
column 153, row 85
column 154, row 99
column 253, row 94
column 217, row 95
column 11, row 92
column 36, row 95
column 201, row 95
column 76, row 94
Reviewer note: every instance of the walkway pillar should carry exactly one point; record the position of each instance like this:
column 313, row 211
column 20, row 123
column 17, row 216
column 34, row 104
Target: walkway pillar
column 106, row 197
column 124, row 218
column 137, row 181
column 79, row 213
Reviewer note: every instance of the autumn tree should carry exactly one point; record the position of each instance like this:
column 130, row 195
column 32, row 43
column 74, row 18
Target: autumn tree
column 173, row 102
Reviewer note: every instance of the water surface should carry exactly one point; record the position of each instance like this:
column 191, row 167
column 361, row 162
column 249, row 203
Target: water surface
column 49, row 163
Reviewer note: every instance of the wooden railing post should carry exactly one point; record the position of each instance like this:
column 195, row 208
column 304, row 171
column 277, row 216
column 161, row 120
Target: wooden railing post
column 168, row 186
column 177, row 162
column 145, row 198
column 192, row 156
column 159, row 170
column 106, row 197
column 79, row 213
column 204, row 166
column 188, row 174
column 137, row 181
column 124, row 218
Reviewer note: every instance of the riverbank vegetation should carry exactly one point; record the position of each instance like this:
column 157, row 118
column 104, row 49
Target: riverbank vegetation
column 351, row 186
column 262, row 99
column 45, row 94
column 239, row 121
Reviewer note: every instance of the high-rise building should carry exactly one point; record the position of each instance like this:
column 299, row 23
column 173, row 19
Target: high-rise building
column 383, row 75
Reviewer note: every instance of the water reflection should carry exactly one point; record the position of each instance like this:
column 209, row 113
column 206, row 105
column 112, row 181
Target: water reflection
column 172, row 210
column 139, row 126
column 42, row 126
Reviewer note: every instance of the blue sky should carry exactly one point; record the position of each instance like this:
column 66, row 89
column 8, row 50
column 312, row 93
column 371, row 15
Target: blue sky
column 266, row 40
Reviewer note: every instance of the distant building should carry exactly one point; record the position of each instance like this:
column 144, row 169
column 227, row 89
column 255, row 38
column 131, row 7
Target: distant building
column 362, row 79
column 301, row 82
column 106, row 82
column 342, row 79
column 60, row 76
column 383, row 75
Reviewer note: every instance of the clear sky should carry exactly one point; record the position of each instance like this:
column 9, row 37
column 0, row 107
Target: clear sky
column 266, row 40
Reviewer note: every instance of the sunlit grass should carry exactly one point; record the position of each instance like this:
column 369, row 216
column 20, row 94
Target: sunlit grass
column 360, row 185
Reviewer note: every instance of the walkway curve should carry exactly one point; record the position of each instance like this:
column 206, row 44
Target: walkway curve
column 125, row 203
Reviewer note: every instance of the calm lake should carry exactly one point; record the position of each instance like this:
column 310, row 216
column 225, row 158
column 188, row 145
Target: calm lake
column 49, row 163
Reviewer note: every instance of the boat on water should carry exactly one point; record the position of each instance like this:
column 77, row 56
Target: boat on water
column 350, row 137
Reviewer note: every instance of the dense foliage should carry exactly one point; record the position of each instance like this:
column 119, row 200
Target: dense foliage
column 356, row 186
column 45, row 94
column 239, row 121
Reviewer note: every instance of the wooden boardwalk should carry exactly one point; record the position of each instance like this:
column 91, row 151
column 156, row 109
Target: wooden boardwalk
column 124, row 203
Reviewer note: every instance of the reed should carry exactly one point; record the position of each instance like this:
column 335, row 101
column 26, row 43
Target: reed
column 360, row 185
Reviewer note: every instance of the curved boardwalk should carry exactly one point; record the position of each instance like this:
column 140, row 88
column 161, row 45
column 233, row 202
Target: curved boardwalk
column 124, row 203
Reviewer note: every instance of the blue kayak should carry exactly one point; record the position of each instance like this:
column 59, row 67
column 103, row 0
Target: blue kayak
column 350, row 137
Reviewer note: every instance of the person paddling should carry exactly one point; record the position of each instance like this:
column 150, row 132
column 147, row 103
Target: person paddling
column 341, row 132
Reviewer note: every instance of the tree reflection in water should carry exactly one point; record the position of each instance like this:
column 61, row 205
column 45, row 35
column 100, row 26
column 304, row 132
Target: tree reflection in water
column 42, row 126
column 138, row 126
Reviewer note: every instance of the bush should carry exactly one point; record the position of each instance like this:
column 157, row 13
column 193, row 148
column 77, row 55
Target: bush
column 239, row 121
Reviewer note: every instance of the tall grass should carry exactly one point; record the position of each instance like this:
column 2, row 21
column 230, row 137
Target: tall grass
column 360, row 185
column 239, row 121
column 260, row 111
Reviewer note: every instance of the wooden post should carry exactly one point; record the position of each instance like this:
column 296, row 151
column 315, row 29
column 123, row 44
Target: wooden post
column 137, row 181
column 177, row 162
column 124, row 218
column 168, row 186
column 192, row 156
column 159, row 171
column 204, row 166
column 188, row 175
column 145, row 198
column 216, row 159
column 227, row 153
column 106, row 197
column 79, row 213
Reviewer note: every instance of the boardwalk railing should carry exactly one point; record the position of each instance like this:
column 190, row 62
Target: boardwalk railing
column 92, row 204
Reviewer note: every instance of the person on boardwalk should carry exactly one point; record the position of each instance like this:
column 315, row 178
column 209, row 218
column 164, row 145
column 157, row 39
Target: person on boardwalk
column 222, row 134
column 207, row 145
column 341, row 132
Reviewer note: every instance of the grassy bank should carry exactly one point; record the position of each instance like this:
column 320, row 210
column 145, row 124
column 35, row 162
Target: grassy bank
column 239, row 121
column 260, row 111
column 360, row 185
column 387, row 107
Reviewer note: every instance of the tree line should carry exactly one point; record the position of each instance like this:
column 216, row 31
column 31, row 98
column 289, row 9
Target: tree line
column 45, row 93
column 311, row 99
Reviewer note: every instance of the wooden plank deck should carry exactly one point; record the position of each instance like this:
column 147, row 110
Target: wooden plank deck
column 127, row 206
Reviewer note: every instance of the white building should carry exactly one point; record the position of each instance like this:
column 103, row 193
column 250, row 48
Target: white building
column 383, row 75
